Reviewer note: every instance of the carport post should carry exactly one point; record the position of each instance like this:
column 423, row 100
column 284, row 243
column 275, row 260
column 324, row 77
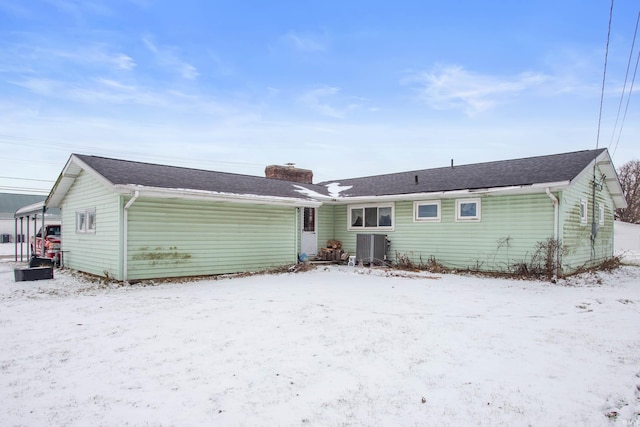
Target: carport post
column 44, row 209
column 22, row 234
column 15, row 239
column 28, row 238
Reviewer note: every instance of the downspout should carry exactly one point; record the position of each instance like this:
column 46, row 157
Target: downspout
column 297, row 233
column 556, row 222
column 125, row 235
column 15, row 238
column 594, row 231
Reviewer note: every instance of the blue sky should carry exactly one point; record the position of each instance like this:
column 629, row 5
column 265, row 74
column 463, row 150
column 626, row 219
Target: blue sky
column 343, row 88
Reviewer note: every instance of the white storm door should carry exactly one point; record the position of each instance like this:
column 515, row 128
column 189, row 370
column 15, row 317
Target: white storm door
column 309, row 236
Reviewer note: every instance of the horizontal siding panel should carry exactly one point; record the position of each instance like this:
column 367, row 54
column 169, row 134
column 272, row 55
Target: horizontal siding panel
column 521, row 220
column 576, row 237
column 190, row 238
column 92, row 253
column 326, row 219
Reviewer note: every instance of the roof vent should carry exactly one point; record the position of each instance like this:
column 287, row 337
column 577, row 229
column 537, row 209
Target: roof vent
column 289, row 172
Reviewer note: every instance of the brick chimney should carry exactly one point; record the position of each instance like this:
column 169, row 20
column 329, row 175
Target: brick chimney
column 289, row 173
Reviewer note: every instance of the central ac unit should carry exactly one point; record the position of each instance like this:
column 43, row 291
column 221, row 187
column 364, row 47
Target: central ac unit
column 371, row 248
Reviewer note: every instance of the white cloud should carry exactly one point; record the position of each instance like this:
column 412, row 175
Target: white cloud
column 167, row 57
column 77, row 8
column 41, row 56
column 453, row 87
column 111, row 91
column 316, row 99
column 97, row 55
column 124, row 62
column 328, row 101
column 305, row 42
column 39, row 86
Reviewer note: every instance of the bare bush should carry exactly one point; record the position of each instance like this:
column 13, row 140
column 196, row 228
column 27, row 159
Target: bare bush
column 404, row 262
column 545, row 262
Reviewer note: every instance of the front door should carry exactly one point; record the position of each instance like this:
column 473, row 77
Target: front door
column 309, row 237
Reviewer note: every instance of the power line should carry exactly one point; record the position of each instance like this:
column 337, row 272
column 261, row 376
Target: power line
column 23, row 189
column 626, row 108
column 26, row 179
column 22, row 141
column 624, row 86
column 604, row 74
column 30, row 161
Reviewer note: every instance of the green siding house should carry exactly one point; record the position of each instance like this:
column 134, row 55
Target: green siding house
column 131, row 220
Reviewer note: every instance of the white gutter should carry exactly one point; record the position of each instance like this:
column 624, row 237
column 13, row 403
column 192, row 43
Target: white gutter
column 524, row 189
column 187, row 194
column 556, row 222
column 125, row 235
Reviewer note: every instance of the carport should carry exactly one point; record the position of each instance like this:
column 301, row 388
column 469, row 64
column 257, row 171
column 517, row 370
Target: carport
column 36, row 213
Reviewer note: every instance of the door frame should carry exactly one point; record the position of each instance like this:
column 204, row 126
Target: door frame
column 309, row 231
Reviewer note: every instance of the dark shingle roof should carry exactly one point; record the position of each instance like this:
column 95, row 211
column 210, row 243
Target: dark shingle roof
column 505, row 173
column 161, row 176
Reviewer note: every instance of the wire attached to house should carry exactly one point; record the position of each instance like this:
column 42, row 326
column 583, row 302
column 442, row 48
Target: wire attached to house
column 593, row 182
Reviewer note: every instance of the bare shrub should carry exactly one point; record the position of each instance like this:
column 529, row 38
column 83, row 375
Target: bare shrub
column 545, row 262
column 404, row 262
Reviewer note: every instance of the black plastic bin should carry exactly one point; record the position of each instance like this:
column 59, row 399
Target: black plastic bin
column 40, row 262
column 36, row 273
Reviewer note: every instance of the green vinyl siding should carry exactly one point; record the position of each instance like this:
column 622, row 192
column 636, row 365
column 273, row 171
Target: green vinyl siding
column 507, row 233
column 326, row 219
column 173, row 238
column 576, row 236
column 95, row 253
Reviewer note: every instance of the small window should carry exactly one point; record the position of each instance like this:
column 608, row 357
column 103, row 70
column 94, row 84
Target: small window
column 468, row 210
column 309, row 219
column 81, row 221
column 86, row 221
column 371, row 217
column 426, row 211
column 600, row 214
column 91, row 221
column 583, row 212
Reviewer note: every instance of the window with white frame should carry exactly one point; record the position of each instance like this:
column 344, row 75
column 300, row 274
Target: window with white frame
column 86, row 221
column 600, row 214
column 379, row 217
column 468, row 210
column 583, row 212
column 426, row 211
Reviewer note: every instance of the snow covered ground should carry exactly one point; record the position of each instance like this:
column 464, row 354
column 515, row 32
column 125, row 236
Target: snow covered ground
column 333, row 346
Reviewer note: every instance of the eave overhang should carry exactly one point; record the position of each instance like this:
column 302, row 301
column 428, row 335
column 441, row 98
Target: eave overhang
column 495, row 191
